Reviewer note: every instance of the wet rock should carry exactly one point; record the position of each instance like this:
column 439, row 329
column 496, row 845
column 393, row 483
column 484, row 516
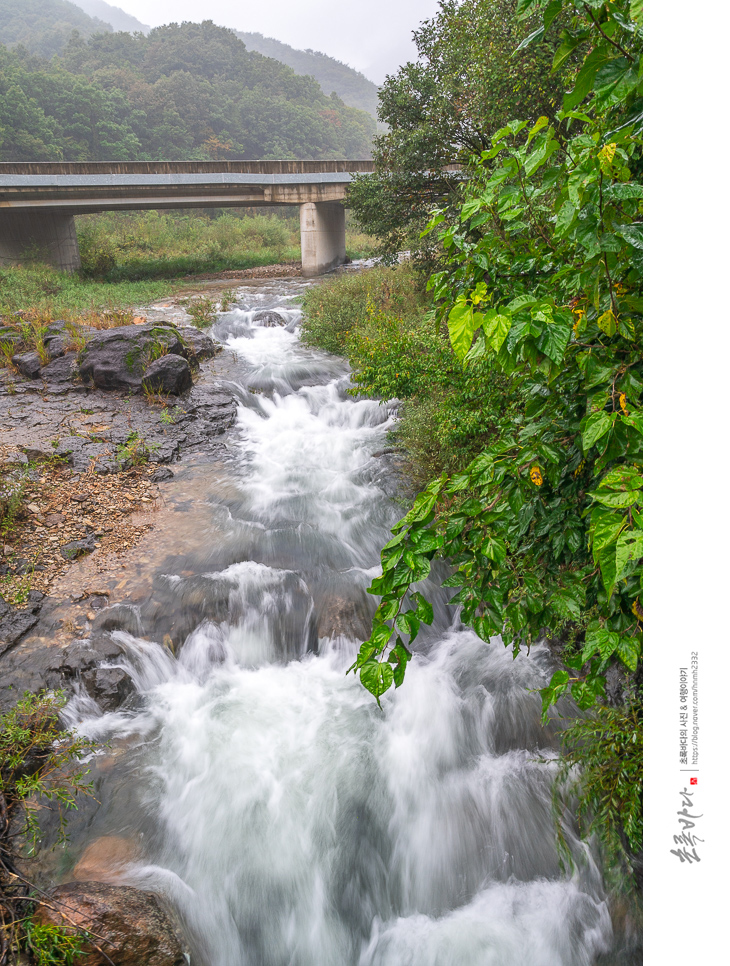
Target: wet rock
column 118, row 358
column 105, row 859
column 339, row 617
column 76, row 548
column 168, row 375
column 163, row 474
column 55, row 346
column 63, row 368
column 108, row 686
column 81, row 657
column 269, row 319
column 197, row 344
column 133, row 926
column 120, row 617
column 14, row 623
column 28, row 364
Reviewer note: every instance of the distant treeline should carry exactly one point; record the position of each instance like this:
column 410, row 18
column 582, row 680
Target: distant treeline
column 184, row 92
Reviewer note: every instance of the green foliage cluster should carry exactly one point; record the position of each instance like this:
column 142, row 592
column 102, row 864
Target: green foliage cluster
column 41, row 765
column 443, row 108
column 336, row 307
column 184, row 92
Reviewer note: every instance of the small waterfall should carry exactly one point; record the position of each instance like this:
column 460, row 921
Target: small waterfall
column 292, row 821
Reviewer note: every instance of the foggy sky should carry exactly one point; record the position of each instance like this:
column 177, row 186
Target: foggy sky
column 374, row 36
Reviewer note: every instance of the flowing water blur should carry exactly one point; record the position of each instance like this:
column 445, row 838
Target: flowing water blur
column 291, row 821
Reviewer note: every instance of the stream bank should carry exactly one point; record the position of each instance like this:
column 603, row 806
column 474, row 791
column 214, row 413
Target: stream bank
column 255, row 785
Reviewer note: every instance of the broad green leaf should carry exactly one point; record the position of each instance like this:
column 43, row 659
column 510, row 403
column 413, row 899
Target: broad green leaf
column 377, row 676
column 629, row 651
column 565, row 218
column 462, row 327
column 605, row 526
column 554, row 340
column 400, row 656
column 497, row 329
column 596, row 427
column 424, row 610
column 634, row 234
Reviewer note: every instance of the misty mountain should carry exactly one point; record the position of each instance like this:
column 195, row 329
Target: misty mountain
column 353, row 87
column 45, row 26
column 112, row 15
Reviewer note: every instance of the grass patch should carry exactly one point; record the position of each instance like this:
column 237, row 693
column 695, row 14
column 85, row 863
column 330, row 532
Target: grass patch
column 42, row 294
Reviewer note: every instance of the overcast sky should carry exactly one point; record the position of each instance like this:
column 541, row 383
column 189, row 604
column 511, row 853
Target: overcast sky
column 373, row 36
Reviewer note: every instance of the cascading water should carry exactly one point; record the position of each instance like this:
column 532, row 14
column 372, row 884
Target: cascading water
column 290, row 820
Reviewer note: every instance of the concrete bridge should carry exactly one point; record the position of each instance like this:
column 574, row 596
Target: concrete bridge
column 38, row 200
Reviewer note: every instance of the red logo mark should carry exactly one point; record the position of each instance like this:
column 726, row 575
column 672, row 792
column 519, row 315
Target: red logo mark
column 693, row 781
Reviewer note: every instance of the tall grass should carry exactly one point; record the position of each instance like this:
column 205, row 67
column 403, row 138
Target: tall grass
column 157, row 244
column 131, row 246
column 46, row 294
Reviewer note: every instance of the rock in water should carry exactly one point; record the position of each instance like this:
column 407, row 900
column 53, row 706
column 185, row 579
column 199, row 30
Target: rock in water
column 269, row 319
column 170, row 374
column 133, row 926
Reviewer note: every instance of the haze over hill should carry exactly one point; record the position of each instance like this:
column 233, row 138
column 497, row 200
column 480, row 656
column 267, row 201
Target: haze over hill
column 353, row 87
column 183, row 92
column 112, row 15
column 45, row 26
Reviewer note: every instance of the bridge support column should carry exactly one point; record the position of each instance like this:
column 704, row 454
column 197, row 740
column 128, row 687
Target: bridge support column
column 322, row 227
column 49, row 234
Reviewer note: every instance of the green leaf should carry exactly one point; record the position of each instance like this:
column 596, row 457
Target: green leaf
column 601, row 641
column 634, row 234
column 605, row 527
column 565, row 218
column 461, row 328
column 377, row 677
column 424, row 610
column 629, row 651
column 596, row 427
column 496, row 329
column 400, row 656
column 554, row 340
column 408, row 623
column 495, row 549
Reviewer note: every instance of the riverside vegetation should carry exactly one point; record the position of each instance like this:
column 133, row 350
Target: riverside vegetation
column 517, row 354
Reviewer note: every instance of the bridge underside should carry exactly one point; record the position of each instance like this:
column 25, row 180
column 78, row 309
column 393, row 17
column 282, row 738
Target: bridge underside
column 38, row 202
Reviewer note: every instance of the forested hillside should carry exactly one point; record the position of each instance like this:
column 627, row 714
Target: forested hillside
column 353, row 87
column 184, row 92
column 45, row 26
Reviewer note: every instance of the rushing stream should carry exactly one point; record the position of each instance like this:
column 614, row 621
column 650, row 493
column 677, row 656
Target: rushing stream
column 291, row 821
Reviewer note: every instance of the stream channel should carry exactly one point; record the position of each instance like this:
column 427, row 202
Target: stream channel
column 289, row 820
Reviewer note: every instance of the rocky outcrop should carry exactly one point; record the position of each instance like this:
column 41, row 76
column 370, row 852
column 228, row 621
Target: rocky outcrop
column 128, row 927
column 169, row 375
column 118, row 358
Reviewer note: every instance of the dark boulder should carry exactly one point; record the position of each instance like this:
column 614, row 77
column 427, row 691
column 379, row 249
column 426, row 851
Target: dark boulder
column 28, row 364
column 163, row 474
column 15, row 622
column 131, row 927
column 108, row 686
column 118, row 358
column 197, row 344
column 168, row 375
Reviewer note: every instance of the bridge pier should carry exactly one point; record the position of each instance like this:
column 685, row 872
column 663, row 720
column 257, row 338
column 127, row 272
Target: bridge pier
column 52, row 234
column 322, row 227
